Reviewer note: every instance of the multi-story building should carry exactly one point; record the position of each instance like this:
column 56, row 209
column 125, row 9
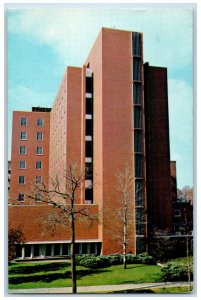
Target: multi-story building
column 110, row 115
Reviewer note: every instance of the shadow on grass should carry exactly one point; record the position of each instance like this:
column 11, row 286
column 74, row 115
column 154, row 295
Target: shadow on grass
column 39, row 268
column 140, row 291
column 47, row 278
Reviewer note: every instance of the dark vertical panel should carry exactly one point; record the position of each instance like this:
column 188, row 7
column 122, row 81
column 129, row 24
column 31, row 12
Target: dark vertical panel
column 137, row 93
column 136, row 69
column 138, row 140
column 137, row 117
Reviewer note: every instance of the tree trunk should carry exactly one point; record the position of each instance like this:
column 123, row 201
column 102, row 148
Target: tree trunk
column 73, row 264
column 125, row 233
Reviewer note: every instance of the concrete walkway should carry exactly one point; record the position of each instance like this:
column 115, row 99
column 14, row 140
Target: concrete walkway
column 97, row 289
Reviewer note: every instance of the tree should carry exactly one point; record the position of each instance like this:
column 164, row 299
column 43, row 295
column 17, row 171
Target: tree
column 125, row 181
column 62, row 193
column 15, row 238
column 129, row 215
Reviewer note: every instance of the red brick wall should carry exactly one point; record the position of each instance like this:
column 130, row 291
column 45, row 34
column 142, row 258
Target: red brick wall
column 30, row 157
column 65, row 127
column 157, row 149
column 34, row 223
column 111, row 62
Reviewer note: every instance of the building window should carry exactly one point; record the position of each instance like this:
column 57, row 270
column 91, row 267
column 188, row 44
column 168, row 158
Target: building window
column 39, row 150
column 22, row 164
column 22, row 149
column 89, row 127
column 136, row 41
column 23, row 135
column 38, row 197
column 89, row 106
column 40, row 122
column 23, row 121
column 138, row 192
column 38, row 179
column 136, row 69
column 89, row 84
column 38, row 165
column 137, row 93
column 137, row 117
column 21, row 180
column 21, row 197
column 138, row 140
column 138, row 165
column 89, row 149
column 39, row 136
column 177, row 213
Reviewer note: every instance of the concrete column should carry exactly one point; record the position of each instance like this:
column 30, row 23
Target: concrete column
column 32, row 251
column 23, row 252
column 42, row 251
column 52, row 250
column 88, row 248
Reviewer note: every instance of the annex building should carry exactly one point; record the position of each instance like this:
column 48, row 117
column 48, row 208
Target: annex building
column 109, row 114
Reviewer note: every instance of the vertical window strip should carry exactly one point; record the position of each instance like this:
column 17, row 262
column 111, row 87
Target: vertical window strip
column 138, row 140
column 136, row 69
column 137, row 93
column 136, row 44
column 138, row 165
column 137, row 117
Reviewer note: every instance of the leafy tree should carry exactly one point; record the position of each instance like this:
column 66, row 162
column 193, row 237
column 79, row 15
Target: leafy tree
column 15, row 238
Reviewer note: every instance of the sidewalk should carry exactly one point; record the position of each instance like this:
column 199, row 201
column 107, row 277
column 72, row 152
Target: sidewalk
column 97, row 289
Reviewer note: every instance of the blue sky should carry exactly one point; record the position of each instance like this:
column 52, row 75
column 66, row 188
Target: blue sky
column 42, row 42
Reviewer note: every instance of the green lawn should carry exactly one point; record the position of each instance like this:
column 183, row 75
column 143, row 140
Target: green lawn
column 58, row 274
column 180, row 260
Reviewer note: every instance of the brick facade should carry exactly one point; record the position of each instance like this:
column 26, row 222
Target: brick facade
column 110, row 117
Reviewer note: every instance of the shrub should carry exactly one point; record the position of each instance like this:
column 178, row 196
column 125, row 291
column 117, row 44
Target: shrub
column 132, row 259
column 144, row 258
column 115, row 259
column 93, row 262
column 81, row 258
column 174, row 272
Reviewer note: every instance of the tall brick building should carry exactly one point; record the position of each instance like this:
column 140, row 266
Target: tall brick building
column 110, row 113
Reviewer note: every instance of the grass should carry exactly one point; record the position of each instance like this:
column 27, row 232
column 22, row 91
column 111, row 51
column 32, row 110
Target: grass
column 172, row 290
column 180, row 260
column 58, row 274
column 161, row 290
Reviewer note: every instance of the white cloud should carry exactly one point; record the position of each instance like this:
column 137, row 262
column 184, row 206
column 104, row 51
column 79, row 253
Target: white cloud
column 71, row 32
column 25, row 98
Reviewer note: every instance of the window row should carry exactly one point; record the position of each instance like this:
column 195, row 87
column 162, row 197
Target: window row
column 24, row 122
column 38, row 179
column 23, row 136
column 39, row 150
column 37, row 197
column 22, row 165
column 57, row 249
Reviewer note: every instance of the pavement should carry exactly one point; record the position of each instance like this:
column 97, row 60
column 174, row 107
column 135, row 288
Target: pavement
column 98, row 289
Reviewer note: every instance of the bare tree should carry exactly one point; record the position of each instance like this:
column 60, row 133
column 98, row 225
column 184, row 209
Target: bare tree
column 129, row 217
column 62, row 193
column 125, row 182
